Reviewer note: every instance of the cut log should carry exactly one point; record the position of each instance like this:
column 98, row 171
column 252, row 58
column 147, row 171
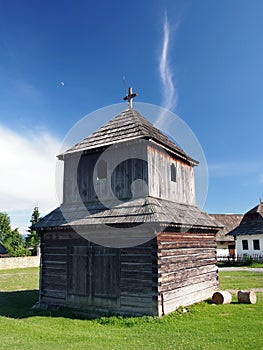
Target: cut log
column 248, row 297
column 222, row 297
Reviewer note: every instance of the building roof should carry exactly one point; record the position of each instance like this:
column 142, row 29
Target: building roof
column 229, row 221
column 252, row 222
column 135, row 211
column 126, row 126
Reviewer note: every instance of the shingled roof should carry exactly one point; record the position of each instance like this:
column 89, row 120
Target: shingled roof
column 126, row 126
column 252, row 222
column 136, row 211
column 229, row 221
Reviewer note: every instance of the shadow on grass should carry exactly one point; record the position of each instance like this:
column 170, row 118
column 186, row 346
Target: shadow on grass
column 210, row 302
column 18, row 305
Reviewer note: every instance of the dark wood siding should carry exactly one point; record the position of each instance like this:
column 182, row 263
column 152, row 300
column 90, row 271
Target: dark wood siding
column 139, row 279
column 54, row 272
column 122, row 166
column 78, row 273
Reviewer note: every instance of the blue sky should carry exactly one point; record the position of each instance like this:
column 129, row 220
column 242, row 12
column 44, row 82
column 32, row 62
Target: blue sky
column 214, row 60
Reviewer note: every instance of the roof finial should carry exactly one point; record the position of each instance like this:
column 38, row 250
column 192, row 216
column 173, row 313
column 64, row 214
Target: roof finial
column 130, row 96
column 260, row 201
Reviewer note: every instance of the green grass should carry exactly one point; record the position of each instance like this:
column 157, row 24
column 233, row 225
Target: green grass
column 240, row 279
column 203, row 326
column 19, row 279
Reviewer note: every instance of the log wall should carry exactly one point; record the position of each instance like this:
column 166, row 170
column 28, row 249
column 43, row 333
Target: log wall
column 81, row 274
column 186, row 269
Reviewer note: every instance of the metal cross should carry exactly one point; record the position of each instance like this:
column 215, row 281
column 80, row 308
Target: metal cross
column 130, row 96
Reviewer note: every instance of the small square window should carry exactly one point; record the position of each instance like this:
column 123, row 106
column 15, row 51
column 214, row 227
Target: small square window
column 256, row 245
column 173, row 173
column 245, row 244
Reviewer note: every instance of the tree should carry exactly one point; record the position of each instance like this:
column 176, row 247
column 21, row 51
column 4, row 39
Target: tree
column 15, row 244
column 12, row 240
column 5, row 226
column 32, row 239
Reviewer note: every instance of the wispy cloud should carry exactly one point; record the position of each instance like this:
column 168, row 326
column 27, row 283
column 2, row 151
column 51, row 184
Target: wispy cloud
column 245, row 168
column 27, row 171
column 169, row 92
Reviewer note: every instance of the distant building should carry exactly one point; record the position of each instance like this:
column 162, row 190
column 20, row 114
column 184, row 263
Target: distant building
column 225, row 244
column 249, row 233
column 3, row 251
column 165, row 252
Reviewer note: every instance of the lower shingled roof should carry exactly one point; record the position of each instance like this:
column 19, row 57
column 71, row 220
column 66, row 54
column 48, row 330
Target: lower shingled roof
column 135, row 211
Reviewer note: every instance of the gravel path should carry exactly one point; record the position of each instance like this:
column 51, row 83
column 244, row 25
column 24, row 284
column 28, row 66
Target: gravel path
column 250, row 269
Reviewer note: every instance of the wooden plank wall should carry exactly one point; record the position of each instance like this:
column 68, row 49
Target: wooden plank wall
column 160, row 184
column 124, row 165
column 139, row 292
column 53, row 272
column 186, row 269
column 78, row 273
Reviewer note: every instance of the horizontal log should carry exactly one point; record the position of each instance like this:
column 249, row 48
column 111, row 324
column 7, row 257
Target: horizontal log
column 54, row 249
column 133, row 274
column 53, row 262
column 248, row 297
column 180, row 292
column 186, row 244
column 135, row 265
column 54, row 257
column 184, row 251
column 53, row 270
column 185, row 258
column 139, row 258
column 166, row 277
column 222, row 297
column 54, row 279
column 53, row 293
column 136, row 250
column 136, row 302
column 173, row 267
column 182, row 237
column 185, row 300
column 191, row 281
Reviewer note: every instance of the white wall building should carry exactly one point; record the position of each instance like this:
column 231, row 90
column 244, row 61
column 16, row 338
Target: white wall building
column 251, row 245
column 249, row 233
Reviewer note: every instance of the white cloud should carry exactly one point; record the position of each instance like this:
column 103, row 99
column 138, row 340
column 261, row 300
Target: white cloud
column 169, row 93
column 27, row 171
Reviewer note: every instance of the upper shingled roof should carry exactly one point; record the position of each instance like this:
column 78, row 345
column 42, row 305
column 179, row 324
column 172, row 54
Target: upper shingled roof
column 126, row 126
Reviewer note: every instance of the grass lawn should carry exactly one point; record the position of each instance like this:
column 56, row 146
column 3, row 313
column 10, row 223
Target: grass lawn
column 204, row 326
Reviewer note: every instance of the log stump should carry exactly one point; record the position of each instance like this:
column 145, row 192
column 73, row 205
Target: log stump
column 222, row 297
column 247, row 297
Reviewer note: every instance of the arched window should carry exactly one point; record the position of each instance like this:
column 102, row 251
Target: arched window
column 102, row 169
column 173, row 173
